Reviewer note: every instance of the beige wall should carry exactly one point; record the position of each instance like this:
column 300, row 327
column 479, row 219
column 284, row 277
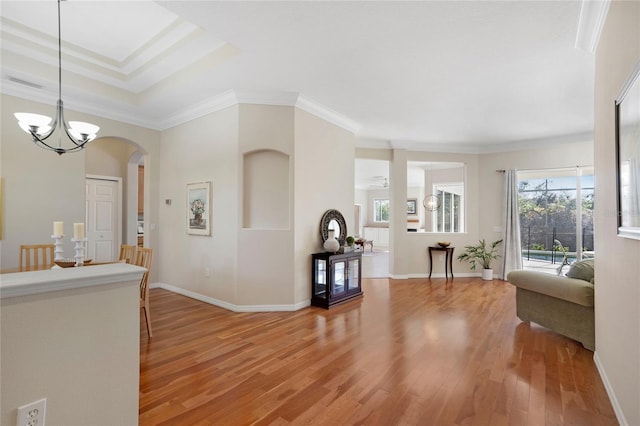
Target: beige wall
column 204, row 149
column 617, row 297
column 108, row 157
column 40, row 187
column 251, row 268
column 79, row 349
column 324, row 179
column 269, row 252
column 410, row 248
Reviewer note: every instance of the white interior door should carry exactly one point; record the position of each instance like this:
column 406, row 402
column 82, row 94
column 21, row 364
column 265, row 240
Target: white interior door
column 103, row 217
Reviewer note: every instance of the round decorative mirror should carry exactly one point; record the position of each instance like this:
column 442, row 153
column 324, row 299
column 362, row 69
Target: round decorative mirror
column 333, row 219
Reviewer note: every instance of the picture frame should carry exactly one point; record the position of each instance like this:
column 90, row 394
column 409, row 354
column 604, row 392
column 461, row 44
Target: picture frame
column 199, row 208
column 627, row 125
column 412, row 205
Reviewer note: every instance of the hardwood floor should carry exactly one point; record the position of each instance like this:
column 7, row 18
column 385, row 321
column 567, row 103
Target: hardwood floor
column 411, row 352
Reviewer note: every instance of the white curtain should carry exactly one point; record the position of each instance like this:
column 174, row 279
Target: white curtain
column 512, row 256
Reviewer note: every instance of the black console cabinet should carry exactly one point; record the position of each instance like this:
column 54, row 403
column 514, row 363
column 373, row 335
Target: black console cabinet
column 335, row 278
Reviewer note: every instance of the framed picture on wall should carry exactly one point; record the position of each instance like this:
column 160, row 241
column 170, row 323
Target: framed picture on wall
column 411, row 206
column 199, row 208
column 627, row 111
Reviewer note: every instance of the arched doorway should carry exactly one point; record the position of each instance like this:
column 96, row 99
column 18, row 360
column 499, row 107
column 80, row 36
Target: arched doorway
column 114, row 158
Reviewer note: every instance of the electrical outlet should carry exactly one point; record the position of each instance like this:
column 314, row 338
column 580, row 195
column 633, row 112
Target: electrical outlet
column 207, row 272
column 441, row 257
column 32, row 414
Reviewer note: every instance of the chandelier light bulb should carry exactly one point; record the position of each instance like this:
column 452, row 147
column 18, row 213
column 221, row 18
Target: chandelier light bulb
column 83, row 131
column 37, row 123
column 431, row 203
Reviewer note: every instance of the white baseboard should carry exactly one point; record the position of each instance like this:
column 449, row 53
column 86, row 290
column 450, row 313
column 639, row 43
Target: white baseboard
column 231, row 306
column 438, row 275
column 610, row 392
column 398, row 277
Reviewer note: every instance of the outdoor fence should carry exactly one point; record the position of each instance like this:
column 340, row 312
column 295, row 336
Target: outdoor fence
column 540, row 243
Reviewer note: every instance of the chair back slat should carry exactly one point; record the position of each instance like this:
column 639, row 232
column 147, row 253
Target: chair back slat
column 127, row 253
column 36, row 255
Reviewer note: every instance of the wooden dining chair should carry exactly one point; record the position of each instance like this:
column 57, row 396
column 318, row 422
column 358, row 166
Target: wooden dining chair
column 143, row 258
column 127, row 253
column 34, row 256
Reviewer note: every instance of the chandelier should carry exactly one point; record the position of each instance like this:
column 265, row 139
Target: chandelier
column 40, row 127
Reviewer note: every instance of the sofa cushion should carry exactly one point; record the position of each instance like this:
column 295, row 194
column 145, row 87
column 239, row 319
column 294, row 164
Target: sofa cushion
column 582, row 270
column 565, row 288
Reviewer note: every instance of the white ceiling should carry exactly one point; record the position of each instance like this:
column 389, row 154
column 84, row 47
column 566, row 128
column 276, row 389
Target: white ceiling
column 461, row 76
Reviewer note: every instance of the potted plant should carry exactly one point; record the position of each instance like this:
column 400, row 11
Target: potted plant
column 481, row 255
column 349, row 240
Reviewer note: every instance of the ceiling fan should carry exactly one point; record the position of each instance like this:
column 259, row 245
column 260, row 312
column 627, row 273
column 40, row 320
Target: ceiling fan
column 380, row 181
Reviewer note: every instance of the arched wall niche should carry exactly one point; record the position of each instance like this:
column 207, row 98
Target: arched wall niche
column 266, row 190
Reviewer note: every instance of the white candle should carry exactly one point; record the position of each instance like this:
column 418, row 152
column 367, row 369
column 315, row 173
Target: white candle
column 58, row 228
column 78, row 231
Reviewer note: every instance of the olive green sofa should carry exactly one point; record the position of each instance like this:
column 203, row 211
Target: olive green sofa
column 564, row 304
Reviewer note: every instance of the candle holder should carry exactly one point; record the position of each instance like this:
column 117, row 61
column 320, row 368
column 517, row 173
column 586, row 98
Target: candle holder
column 79, row 248
column 58, row 247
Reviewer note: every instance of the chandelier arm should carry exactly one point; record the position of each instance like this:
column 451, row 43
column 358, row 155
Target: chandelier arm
column 78, row 143
column 42, row 144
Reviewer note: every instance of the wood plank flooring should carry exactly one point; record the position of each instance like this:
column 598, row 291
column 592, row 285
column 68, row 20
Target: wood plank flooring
column 411, row 352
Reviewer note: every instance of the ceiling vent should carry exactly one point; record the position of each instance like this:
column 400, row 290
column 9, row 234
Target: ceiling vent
column 24, row 82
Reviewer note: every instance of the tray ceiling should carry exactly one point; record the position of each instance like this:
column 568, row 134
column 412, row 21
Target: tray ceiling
column 453, row 76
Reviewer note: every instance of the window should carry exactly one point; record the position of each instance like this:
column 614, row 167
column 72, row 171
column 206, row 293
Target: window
column 448, row 217
column 381, row 210
column 556, row 214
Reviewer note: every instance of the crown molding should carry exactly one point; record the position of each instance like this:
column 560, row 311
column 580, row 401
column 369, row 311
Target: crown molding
column 373, row 143
column 327, row 114
column 209, row 106
column 482, row 148
column 233, row 97
column 593, row 14
column 455, row 148
column 523, row 145
column 70, row 104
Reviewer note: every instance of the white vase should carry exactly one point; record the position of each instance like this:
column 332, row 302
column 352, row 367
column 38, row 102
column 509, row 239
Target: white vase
column 331, row 244
column 487, row 274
